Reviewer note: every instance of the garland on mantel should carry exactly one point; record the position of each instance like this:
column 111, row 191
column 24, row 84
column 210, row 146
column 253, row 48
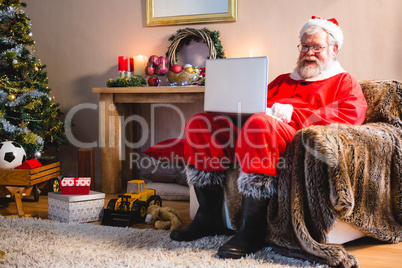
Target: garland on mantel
column 135, row 81
column 185, row 36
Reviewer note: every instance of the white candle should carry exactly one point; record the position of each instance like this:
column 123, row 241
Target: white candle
column 140, row 62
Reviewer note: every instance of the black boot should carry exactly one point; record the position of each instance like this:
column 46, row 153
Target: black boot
column 251, row 236
column 208, row 219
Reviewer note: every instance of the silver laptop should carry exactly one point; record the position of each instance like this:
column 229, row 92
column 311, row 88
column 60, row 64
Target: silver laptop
column 236, row 85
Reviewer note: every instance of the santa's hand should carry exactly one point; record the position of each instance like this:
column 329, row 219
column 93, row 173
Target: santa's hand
column 269, row 112
column 282, row 111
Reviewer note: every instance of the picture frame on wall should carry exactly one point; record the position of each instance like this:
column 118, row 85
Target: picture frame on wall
column 175, row 12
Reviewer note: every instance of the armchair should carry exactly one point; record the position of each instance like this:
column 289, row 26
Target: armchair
column 338, row 173
column 339, row 179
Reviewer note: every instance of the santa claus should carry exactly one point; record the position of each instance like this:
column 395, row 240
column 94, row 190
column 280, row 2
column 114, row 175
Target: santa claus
column 318, row 92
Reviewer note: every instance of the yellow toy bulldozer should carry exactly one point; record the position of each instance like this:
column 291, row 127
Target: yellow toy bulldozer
column 130, row 207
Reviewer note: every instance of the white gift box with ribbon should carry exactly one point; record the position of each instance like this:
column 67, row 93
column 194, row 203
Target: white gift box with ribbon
column 76, row 208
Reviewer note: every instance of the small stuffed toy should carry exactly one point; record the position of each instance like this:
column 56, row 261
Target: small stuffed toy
column 165, row 218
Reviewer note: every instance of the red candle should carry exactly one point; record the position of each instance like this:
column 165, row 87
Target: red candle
column 123, row 64
column 131, row 64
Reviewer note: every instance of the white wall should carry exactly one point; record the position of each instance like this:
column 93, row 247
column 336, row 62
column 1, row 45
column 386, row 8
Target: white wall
column 80, row 40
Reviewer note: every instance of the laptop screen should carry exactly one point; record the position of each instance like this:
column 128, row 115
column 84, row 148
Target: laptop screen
column 236, row 85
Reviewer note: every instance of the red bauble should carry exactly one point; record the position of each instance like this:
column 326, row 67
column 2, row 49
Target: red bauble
column 153, row 81
column 176, row 68
column 149, row 70
column 161, row 69
column 153, row 60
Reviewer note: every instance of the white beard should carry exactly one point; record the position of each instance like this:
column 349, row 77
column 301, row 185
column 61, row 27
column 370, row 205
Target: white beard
column 312, row 71
column 331, row 70
column 309, row 71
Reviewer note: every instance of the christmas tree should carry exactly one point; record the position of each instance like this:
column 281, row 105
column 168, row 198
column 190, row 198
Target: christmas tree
column 28, row 114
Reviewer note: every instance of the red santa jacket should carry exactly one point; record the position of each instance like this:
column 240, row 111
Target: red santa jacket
column 336, row 99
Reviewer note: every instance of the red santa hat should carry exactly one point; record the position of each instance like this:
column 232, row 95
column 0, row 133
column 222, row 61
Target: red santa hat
column 331, row 26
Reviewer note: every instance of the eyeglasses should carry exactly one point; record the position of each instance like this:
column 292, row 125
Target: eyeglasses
column 305, row 49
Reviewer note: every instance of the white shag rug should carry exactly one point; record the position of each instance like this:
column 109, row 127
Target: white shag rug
column 31, row 242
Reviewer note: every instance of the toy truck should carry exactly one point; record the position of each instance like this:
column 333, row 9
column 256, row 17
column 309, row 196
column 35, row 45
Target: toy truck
column 130, row 207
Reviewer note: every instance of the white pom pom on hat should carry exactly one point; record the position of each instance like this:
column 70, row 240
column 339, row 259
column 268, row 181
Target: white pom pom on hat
column 331, row 26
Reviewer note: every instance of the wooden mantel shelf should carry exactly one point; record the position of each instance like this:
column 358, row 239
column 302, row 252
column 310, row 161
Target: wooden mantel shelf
column 165, row 94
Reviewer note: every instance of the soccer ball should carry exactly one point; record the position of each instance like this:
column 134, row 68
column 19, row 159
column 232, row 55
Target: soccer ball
column 11, row 155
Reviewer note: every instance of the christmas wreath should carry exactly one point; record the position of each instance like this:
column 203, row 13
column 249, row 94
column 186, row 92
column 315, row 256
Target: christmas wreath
column 185, row 36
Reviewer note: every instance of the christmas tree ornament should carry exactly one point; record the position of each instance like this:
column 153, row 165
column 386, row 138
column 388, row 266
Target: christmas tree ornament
column 38, row 155
column 11, row 97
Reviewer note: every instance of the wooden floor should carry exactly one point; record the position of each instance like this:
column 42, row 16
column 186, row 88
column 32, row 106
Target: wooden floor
column 370, row 252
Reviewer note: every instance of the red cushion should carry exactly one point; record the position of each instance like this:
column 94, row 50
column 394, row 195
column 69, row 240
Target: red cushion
column 168, row 150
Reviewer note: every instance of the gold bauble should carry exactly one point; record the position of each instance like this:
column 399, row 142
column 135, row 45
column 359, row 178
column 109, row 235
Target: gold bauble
column 11, row 97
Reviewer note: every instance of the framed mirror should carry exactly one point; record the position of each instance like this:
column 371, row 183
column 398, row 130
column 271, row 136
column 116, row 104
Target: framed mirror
column 175, row 12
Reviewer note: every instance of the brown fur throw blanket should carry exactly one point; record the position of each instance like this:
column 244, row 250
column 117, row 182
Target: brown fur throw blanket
column 352, row 173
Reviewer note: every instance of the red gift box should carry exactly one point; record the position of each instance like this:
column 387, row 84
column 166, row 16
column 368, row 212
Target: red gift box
column 30, row 164
column 75, row 185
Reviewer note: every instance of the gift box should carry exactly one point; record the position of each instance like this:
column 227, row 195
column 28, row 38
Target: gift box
column 30, row 164
column 75, row 185
column 76, row 208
